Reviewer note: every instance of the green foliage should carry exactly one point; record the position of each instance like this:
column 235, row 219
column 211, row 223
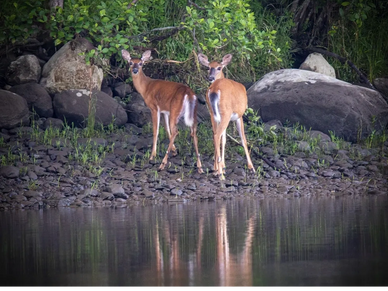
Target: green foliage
column 223, row 26
column 20, row 20
column 360, row 34
column 108, row 24
column 230, row 26
column 356, row 11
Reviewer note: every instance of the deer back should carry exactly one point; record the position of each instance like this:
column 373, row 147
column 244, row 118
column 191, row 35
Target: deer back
column 168, row 96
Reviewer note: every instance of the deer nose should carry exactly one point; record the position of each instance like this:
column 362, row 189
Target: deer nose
column 211, row 78
column 135, row 70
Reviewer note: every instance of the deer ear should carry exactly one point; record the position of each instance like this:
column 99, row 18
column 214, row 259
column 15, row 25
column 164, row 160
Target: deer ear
column 203, row 59
column 146, row 56
column 226, row 60
column 126, row 55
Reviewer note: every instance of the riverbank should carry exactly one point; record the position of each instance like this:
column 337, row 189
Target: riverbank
column 114, row 171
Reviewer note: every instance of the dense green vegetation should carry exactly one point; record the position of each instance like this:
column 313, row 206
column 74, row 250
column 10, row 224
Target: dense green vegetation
column 262, row 35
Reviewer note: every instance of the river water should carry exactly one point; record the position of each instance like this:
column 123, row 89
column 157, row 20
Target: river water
column 270, row 242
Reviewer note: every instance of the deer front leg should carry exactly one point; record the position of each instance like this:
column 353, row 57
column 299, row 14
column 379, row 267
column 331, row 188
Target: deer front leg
column 221, row 134
column 217, row 157
column 155, row 115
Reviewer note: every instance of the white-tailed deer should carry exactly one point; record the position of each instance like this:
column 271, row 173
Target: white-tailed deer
column 172, row 99
column 227, row 100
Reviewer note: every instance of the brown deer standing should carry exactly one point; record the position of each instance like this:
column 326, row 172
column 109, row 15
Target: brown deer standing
column 172, row 99
column 227, row 100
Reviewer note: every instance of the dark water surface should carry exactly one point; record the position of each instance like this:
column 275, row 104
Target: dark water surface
column 306, row 241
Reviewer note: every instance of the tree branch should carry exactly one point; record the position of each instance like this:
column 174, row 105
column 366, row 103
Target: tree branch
column 131, row 4
column 191, row 3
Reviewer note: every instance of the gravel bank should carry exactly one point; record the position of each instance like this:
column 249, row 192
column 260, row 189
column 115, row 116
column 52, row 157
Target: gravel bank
column 42, row 175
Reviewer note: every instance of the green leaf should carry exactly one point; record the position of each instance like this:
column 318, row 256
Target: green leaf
column 102, row 12
column 105, row 19
column 341, row 12
column 211, row 23
column 345, row 3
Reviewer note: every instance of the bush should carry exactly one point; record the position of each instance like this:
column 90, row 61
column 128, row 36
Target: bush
column 215, row 27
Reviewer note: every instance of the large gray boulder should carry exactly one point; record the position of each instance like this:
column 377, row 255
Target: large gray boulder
column 13, row 110
column 138, row 113
column 24, row 69
column 37, row 98
column 319, row 102
column 67, row 69
column 73, row 106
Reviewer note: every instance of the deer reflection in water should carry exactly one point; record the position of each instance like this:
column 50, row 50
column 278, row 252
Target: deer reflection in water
column 234, row 269
column 230, row 268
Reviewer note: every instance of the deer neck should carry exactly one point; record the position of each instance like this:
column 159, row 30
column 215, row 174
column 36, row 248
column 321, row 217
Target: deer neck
column 141, row 81
column 220, row 76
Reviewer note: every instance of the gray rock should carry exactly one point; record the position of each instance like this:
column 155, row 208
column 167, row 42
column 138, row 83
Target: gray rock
column 33, row 194
column 38, row 99
column 381, row 84
column 319, row 102
column 13, row 110
column 107, row 196
column 122, row 89
column 53, row 122
column 32, row 175
column 67, row 69
column 115, row 189
column 73, row 106
column 315, row 62
column 24, row 69
column 176, row 192
column 9, row 172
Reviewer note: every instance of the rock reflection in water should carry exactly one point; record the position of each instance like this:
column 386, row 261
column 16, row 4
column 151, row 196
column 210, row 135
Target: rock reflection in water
column 249, row 242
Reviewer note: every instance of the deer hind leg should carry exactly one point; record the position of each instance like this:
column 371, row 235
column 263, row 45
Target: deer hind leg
column 155, row 115
column 195, row 141
column 240, row 129
column 167, row 121
column 174, row 133
column 223, row 142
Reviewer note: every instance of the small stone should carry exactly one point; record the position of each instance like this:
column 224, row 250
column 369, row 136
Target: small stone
column 9, row 172
column 176, row 192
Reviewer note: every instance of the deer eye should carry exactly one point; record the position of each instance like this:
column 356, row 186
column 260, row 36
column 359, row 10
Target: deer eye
column 218, row 68
column 130, row 63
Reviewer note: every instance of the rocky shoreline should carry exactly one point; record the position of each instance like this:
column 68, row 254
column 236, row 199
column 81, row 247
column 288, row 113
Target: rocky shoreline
column 42, row 176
